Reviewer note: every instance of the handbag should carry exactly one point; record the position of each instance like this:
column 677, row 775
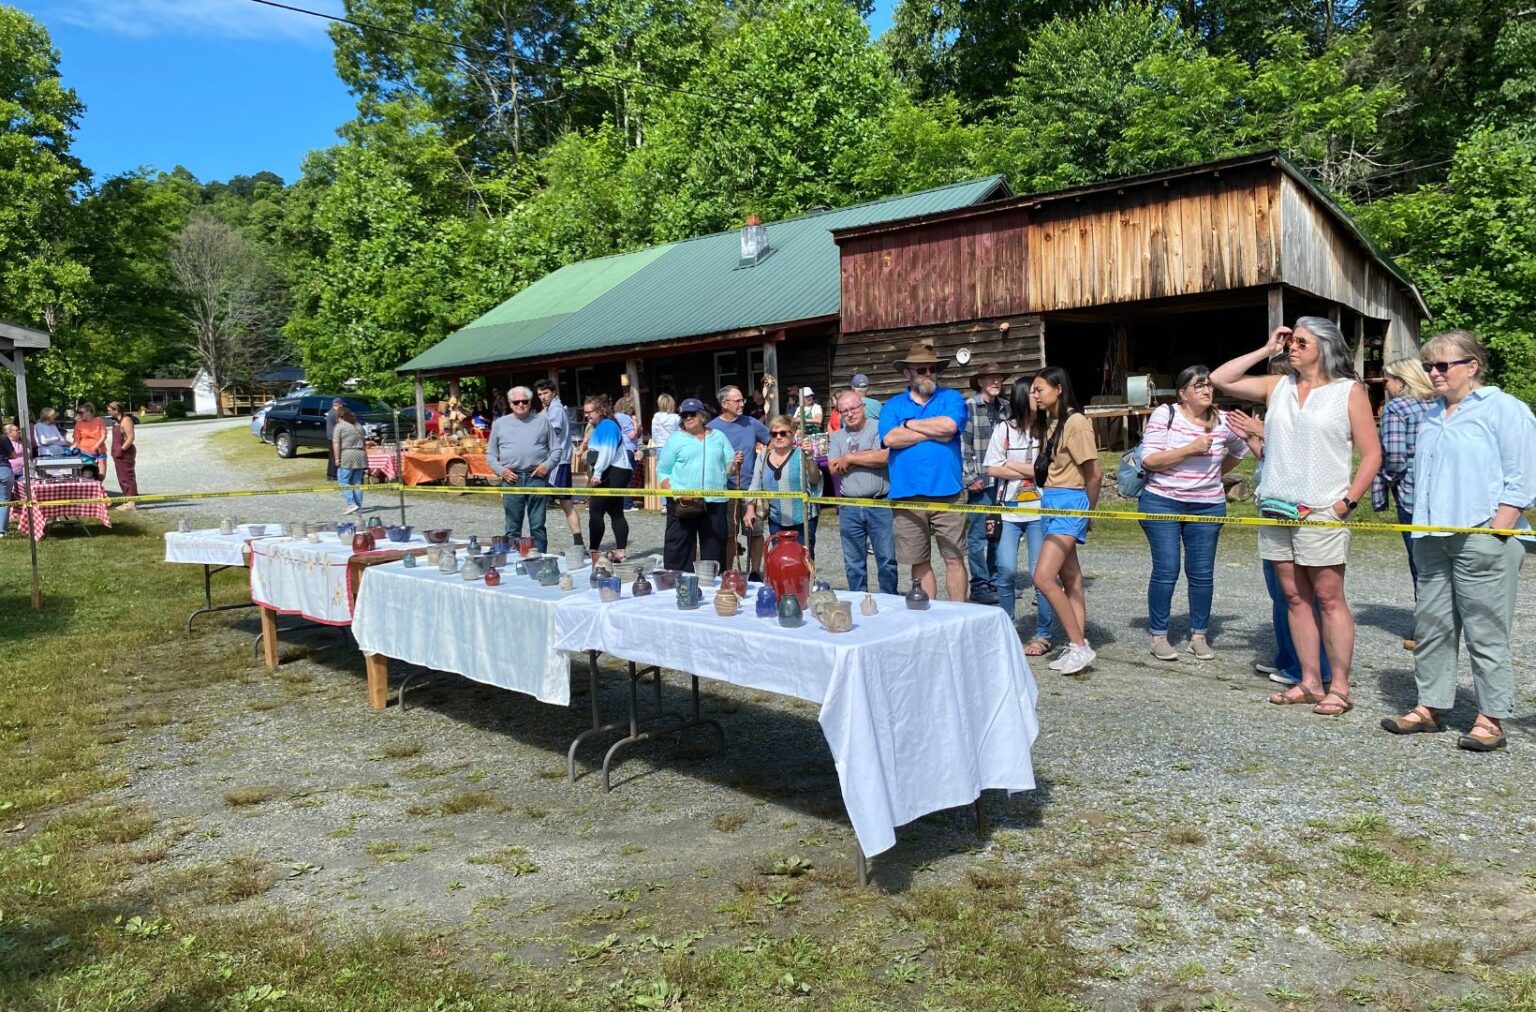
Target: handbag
column 1131, row 476
column 1048, row 453
column 1279, row 509
column 689, row 507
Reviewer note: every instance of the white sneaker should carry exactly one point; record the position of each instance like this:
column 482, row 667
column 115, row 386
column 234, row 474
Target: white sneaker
column 1279, row 678
column 1265, row 669
column 1061, row 658
column 1078, row 657
column 350, row 509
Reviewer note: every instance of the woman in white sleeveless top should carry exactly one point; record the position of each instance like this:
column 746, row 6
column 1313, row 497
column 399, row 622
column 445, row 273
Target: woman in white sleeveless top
column 1318, row 416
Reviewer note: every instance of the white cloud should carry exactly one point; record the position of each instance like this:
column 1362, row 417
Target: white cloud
column 228, row 19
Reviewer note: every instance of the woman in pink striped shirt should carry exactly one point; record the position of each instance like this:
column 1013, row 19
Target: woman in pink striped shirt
column 1186, row 449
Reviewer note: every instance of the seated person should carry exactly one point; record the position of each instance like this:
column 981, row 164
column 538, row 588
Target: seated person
column 90, row 438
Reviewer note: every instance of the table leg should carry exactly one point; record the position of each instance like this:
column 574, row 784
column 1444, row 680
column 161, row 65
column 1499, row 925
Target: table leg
column 983, row 825
column 676, row 723
column 269, row 636
column 861, row 865
column 377, row 666
column 208, row 606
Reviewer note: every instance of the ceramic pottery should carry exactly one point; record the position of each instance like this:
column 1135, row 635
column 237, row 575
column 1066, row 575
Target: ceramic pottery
column 917, row 598
column 706, row 570
column 525, row 545
column 257, row 530
column 566, row 583
column 641, row 586
column 226, row 526
column 362, row 541
column 820, row 585
column 409, row 562
column 472, row 569
column 767, row 602
column 549, row 575
column 666, row 579
column 818, row 600
column 433, row 551
column 345, row 529
column 184, row 525
column 727, row 602
column 608, row 589
column 787, row 568
column 473, row 548
column 790, row 616
column 497, row 559
column 439, row 536
column 688, row 596
column 493, row 577
column 398, row 533
column 312, row 537
column 447, row 562
column 375, row 521
column 734, row 579
column 519, row 568
column 836, row 617
column 501, row 544
column 869, row 606
column 575, row 557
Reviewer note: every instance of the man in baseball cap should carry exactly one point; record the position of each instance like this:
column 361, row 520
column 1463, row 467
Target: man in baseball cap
column 860, row 385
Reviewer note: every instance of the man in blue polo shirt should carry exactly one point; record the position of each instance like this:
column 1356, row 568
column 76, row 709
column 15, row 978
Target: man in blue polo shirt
column 922, row 427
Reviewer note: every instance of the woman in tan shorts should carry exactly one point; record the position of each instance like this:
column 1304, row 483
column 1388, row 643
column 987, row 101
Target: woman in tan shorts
column 1318, row 417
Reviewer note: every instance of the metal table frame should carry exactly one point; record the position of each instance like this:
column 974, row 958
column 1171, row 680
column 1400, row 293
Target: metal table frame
column 208, row 606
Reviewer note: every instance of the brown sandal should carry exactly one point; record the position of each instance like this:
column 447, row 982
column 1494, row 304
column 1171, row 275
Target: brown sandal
column 1482, row 738
column 1037, row 647
column 1327, row 709
column 1286, row 699
column 1413, row 722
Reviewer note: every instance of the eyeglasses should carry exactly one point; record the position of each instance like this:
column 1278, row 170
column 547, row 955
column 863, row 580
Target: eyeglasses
column 1445, row 367
column 922, row 370
column 730, row 400
column 1200, row 385
column 523, row 403
column 779, row 432
column 1299, row 343
column 687, row 414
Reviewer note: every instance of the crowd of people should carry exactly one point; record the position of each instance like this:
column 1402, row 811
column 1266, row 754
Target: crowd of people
column 1447, row 451
column 89, row 439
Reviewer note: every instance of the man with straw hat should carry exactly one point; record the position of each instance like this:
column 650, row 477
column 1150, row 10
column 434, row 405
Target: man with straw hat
column 922, row 427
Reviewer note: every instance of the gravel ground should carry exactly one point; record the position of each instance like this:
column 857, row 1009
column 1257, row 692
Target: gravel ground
column 1221, row 852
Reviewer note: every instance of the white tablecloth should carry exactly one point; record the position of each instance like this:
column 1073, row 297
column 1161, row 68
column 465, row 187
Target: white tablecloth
column 295, row 577
column 210, row 548
column 922, row 710
column 503, row 636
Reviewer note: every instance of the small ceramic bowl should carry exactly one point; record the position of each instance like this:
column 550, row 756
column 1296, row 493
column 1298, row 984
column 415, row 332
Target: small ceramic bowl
column 438, row 536
column 398, row 533
column 346, row 529
column 257, row 530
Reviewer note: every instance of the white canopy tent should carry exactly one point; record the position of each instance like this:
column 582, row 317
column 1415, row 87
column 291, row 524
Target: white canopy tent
column 15, row 342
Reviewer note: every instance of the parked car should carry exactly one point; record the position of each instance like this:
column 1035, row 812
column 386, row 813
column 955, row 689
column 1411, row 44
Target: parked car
column 300, row 421
column 259, row 419
column 408, row 422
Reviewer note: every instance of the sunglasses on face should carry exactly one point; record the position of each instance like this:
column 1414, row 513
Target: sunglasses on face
column 1445, row 367
column 1299, row 343
column 779, row 433
column 688, row 414
column 521, row 403
column 922, row 370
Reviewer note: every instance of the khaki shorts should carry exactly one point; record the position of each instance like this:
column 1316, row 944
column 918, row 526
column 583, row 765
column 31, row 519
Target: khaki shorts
column 1305, row 546
column 913, row 530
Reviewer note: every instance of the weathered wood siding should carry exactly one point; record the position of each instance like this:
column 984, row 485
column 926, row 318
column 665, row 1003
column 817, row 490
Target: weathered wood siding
column 1321, row 257
column 1020, row 350
column 1195, row 235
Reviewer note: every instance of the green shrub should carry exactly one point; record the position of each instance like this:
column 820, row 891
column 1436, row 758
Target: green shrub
column 175, row 409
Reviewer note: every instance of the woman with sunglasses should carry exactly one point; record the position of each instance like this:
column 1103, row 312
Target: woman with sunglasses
column 696, row 457
column 781, row 469
column 1475, row 466
column 607, row 467
column 1318, row 418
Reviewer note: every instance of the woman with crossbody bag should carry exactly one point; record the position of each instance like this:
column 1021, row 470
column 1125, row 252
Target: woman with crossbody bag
column 696, row 457
column 1010, row 458
column 1067, row 472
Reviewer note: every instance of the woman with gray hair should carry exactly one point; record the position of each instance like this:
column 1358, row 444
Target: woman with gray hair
column 1318, row 418
column 1475, row 467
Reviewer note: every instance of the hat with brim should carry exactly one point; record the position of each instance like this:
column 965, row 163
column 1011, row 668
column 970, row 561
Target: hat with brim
column 691, row 406
column 986, row 369
column 921, row 354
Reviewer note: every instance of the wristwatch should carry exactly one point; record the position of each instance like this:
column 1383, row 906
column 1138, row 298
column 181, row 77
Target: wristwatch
column 1352, row 504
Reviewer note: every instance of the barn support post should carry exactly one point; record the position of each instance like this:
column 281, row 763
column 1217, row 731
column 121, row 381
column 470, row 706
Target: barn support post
column 421, row 409
column 632, row 371
column 23, row 423
column 1276, row 307
column 771, row 368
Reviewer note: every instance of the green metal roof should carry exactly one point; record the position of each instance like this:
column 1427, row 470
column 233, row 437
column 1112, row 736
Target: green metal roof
column 685, row 289
column 533, row 311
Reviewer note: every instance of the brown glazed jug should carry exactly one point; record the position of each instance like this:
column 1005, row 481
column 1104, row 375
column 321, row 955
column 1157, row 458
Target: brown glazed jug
column 787, row 569
column 362, row 541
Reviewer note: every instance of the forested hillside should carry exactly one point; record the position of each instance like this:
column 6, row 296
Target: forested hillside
column 496, row 140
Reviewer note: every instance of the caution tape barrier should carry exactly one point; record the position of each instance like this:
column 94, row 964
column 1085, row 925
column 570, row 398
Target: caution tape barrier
column 717, row 493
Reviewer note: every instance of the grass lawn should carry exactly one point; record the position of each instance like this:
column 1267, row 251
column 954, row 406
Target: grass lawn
column 104, row 667
column 260, row 460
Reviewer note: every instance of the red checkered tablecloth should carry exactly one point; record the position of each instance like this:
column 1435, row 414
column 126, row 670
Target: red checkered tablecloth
column 33, row 520
column 382, row 462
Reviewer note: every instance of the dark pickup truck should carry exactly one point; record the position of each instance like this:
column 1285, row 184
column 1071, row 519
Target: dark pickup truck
column 300, row 421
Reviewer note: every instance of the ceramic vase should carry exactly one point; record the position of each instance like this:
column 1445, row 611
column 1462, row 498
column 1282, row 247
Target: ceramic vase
column 472, row 569
column 688, row 596
column 706, row 570
column 734, row 579
column 375, row 521
column 869, row 606
column 473, row 548
column 409, row 562
column 549, row 575
column 608, row 589
column 818, row 600
column 666, row 579
column 641, row 586
column 836, row 617
column 362, row 541
column 447, row 562
column 787, row 568
column 767, row 602
column 727, row 602
column 790, row 616
column 493, row 577
column 226, row 526
column 917, row 598
column 345, row 529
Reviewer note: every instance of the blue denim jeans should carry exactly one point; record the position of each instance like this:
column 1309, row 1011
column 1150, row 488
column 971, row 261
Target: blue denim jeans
column 515, row 507
column 861, row 527
column 1198, row 542
column 1008, row 574
column 981, row 553
column 351, row 481
column 1286, row 662
column 1406, row 517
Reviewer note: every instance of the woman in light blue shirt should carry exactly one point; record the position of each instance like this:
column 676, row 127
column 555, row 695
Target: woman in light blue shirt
column 1474, row 466
column 696, row 457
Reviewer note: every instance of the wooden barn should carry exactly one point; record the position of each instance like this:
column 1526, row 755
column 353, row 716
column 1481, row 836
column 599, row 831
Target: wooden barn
column 1123, row 283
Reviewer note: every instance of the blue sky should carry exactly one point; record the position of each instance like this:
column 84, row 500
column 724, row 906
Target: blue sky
column 222, row 87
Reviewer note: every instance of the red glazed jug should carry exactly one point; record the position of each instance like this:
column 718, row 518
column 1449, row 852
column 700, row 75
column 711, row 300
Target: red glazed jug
column 788, row 566
column 734, row 579
column 362, row 541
